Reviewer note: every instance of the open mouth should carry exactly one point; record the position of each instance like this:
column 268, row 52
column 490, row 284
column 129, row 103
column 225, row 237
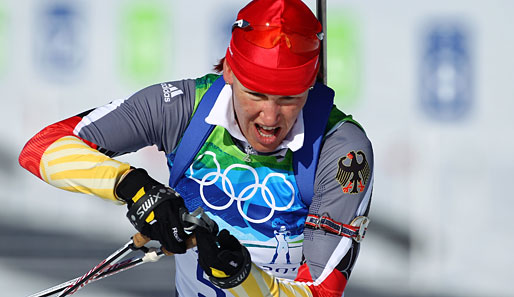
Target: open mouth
column 266, row 131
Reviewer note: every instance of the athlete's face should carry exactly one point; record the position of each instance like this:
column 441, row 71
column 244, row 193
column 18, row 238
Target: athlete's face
column 263, row 119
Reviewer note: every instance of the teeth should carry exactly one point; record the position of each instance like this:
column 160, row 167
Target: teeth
column 270, row 131
column 267, row 128
column 264, row 135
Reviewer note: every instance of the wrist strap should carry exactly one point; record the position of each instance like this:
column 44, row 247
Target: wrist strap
column 199, row 218
column 356, row 230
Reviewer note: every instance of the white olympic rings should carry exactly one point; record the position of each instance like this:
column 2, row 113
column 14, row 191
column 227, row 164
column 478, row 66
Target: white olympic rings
column 246, row 193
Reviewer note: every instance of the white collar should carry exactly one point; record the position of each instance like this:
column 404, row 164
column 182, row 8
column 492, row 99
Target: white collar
column 222, row 114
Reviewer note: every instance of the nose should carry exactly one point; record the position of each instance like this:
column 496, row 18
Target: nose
column 270, row 113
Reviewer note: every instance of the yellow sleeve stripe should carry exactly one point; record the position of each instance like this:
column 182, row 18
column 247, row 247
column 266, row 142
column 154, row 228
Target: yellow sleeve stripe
column 103, row 188
column 93, row 183
column 104, row 193
column 285, row 291
column 79, row 157
column 234, row 292
column 238, row 291
column 68, row 139
column 97, row 172
column 261, row 284
column 254, row 284
column 272, row 283
column 297, row 289
column 42, row 171
column 69, row 146
column 72, row 165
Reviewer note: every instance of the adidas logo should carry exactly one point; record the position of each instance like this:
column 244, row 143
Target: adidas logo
column 170, row 91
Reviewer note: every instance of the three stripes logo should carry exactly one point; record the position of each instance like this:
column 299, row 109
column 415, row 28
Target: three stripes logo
column 170, row 91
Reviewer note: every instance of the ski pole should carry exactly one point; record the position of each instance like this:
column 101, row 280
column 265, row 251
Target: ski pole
column 105, row 268
column 321, row 13
column 110, row 270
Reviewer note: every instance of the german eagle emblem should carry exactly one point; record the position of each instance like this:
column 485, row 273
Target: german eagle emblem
column 353, row 176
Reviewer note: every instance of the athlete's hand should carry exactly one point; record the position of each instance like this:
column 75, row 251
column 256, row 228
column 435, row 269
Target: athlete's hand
column 222, row 257
column 154, row 209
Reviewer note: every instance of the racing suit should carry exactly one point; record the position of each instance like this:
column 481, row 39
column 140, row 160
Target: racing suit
column 253, row 195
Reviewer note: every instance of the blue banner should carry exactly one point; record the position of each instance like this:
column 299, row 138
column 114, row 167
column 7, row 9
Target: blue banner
column 60, row 44
column 446, row 90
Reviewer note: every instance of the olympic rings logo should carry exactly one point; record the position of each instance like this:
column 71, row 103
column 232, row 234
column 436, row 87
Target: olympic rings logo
column 246, row 193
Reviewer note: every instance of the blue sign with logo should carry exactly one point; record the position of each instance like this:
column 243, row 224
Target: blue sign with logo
column 60, row 44
column 446, row 90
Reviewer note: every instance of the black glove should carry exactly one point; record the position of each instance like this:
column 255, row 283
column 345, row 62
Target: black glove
column 228, row 264
column 154, row 209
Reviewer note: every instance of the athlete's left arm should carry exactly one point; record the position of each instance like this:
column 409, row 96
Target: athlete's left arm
column 342, row 188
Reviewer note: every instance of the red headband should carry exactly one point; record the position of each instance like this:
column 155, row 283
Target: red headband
column 275, row 47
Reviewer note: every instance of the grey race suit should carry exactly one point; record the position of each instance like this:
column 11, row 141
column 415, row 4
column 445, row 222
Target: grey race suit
column 158, row 115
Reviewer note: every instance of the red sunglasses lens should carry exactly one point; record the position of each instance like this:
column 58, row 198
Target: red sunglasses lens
column 270, row 36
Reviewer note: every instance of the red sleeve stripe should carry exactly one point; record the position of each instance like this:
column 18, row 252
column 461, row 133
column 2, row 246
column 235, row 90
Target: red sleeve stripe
column 30, row 156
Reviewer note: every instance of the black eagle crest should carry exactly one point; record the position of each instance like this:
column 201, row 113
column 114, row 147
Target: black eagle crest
column 353, row 178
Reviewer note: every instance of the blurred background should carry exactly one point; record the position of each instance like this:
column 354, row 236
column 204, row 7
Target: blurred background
column 431, row 81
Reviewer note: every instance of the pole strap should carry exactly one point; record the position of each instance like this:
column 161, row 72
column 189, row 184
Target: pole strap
column 199, row 218
column 356, row 230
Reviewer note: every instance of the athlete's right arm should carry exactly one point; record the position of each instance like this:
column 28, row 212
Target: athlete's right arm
column 71, row 163
column 76, row 154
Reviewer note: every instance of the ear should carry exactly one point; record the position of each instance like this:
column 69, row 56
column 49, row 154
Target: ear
column 228, row 75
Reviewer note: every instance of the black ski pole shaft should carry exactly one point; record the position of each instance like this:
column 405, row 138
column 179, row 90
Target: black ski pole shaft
column 321, row 13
